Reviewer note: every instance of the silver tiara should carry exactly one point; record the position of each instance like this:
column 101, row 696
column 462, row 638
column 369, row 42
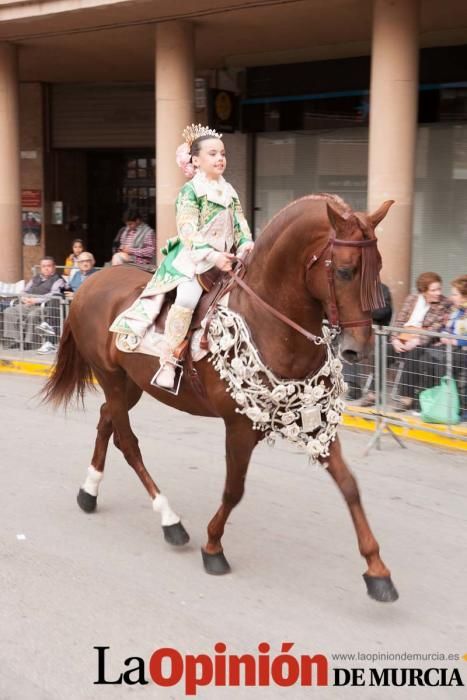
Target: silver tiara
column 193, row 132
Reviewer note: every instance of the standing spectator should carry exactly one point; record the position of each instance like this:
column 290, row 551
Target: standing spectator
column 137, row 242
column 46, row 285
column 86, row 268
column 71, row 263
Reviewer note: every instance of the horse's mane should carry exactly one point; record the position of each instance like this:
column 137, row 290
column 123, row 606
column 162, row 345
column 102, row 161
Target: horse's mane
column 285, row 215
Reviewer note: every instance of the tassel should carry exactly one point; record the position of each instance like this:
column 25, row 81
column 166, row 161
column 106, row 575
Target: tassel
column 371, row 291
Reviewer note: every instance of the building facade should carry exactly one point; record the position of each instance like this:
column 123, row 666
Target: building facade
column 365, row 98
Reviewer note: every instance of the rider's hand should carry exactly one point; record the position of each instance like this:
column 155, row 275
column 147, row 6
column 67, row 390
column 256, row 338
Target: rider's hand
column 224, row 261
column 245, row 249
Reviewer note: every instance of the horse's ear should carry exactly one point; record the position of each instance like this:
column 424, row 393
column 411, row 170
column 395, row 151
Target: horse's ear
column 380, row 213
column 337, row 221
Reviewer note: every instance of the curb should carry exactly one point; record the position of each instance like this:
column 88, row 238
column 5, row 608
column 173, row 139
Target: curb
column 411, row 432
column 366, row 421
column 37, row 369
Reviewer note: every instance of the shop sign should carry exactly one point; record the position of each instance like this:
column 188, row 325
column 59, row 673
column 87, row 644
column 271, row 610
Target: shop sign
column 31, row 199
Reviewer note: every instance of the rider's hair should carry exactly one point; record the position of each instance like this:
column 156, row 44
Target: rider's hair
column 460, row 283
column 425, row 279
column 48, row 258
column 196, row 145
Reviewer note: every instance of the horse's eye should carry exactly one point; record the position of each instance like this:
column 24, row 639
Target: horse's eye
column 345, row 273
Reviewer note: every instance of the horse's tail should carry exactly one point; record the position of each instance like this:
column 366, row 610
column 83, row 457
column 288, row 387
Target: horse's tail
column 71, row 375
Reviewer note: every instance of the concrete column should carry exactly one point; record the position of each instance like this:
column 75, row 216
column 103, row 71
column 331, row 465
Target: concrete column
column 10, row 194
column 393, row 133
column 175, row 72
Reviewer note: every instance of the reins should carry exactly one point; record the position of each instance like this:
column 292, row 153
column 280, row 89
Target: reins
column 288, row 321
column 370, row 297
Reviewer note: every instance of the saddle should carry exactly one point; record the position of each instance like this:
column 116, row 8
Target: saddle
column 212, row 283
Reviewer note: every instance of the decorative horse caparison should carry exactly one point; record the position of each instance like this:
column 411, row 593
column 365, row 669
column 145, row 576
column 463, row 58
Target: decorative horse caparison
column 307, row 264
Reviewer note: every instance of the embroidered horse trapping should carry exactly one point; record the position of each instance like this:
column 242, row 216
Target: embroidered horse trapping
column 304, row 412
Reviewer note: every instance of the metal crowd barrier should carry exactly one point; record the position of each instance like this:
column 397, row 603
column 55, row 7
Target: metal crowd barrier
column 35, row 269
column 388, row 386
column 385, row 388
column 32, row 328
column 31, row 324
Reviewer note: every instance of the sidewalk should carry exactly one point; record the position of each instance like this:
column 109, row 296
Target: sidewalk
column 406, row 425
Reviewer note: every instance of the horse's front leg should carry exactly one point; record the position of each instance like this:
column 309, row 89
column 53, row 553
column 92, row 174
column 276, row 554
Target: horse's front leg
column 241, row 439
column 377, row 577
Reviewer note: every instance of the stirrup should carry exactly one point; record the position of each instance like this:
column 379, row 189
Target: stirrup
column 177, row 376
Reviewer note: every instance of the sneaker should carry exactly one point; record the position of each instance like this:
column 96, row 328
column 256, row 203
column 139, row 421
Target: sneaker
column 46, row 348
column 403, row 403
column 45, row 329
column 369, row 399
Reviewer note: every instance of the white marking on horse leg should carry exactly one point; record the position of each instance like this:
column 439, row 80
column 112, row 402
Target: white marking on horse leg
column 93, row 479
column 161, row 505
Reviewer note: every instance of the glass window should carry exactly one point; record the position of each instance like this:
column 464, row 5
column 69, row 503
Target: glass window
column 292, row 164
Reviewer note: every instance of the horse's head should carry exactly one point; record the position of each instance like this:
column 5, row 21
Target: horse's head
column 348, row 281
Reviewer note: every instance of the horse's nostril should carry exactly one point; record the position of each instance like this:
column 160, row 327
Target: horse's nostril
column 350, row 356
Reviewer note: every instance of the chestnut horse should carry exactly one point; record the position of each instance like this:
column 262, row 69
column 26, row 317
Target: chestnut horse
column 307, row 264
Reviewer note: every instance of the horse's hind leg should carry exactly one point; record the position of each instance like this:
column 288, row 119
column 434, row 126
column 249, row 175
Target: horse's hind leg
column 114, row 389
column 240, row 442
column 87, row 495
column 377, row 576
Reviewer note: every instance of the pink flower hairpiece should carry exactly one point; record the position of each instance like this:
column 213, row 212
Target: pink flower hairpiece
column 183, row 160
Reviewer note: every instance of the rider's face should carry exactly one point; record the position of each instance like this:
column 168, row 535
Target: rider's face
column 211, row 158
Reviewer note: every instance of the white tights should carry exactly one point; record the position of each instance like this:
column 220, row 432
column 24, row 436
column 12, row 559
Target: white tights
column 188, row 294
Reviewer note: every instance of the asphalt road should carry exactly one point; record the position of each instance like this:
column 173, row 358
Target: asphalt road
column 70, row 582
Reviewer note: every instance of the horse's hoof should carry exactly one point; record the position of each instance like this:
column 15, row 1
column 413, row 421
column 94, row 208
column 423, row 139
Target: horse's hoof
column 381, row 588
column 215, row 564
column 175, row 534
column 86, row 502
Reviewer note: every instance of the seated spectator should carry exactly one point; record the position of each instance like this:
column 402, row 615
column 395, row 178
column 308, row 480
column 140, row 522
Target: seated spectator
column 46, row 285
column 8, row 291
column 433, row 362
column 86, row 268
column 353, row 374
column 137, row 242
column 426, row 310
column 71, row 263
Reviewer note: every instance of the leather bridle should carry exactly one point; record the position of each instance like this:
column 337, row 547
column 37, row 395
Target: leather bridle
column 333, row 314
column 333, row 310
